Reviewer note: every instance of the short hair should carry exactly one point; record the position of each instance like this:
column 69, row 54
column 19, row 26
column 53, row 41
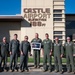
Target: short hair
column 26, row 36
column 15, row 35
column 36, row 33
column 68, row 37
column 56, row 38
column 46, row 34
column 4, row 37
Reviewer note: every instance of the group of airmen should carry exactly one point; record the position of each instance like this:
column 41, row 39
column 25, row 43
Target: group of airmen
column 49, row 48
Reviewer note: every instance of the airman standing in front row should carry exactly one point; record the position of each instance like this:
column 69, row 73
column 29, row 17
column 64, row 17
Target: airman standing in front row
column 69, row 55
column 47, row 52
column 58, row 53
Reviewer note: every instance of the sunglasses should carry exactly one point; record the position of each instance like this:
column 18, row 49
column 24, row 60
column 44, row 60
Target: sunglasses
column 68, row 39
column 4, row 39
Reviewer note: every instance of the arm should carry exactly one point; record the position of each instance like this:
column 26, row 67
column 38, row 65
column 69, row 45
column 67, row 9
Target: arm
column 21, row 48
column 30, row 50
column 51, row 48
column 41, row 43
column 7, row 48
column 0, row 49
column 42, row 48
column 73, row 49
column 32, row 40
column 10, row 47
column 64, row 48
column 62, row 51
column 18, row 48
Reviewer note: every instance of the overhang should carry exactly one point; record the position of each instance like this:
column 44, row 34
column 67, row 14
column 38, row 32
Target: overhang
column 10, row 18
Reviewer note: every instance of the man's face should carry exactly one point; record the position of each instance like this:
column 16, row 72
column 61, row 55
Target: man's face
column 56, row 39
column 47, row 36
column 15, row 36
column 26, row 38
column 36, row 35
column 4, row 39
column 68, row 39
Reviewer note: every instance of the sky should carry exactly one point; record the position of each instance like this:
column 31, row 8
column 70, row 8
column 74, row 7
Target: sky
column 13, row 7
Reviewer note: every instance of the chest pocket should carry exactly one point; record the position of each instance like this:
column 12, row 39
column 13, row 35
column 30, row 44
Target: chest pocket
column 70, row 44
column 15, row 44
column 57, row 45
column 4, row 45
column 66, row 44
column 27, row 45
column 54, row 44
column 73, row 46
column 38, row 41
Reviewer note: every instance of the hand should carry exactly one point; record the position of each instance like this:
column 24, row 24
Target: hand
column 73, row 54
column 30, row 54
column 61, row 55
column 50, row 53
column 42, row 53
column 21, row 53
column 10, row 53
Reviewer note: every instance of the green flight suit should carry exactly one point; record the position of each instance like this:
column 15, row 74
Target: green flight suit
column 69, row 55
column 4, row 53
column 74, row 52
column 36, row 52
column 14, row 48
column 58, row 50
column 25, row 47
column 47, row 46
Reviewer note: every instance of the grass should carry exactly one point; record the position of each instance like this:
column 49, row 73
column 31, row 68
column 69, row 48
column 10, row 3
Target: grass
column 31, row 60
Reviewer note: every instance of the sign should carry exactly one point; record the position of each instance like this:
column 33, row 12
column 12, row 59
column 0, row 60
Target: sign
column 37, row 16
column 36, row 46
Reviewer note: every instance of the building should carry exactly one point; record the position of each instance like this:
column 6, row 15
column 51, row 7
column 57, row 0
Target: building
column 41, row 16
column 38, row 16
column 70, row 25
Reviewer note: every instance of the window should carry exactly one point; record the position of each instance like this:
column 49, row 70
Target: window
column 57, row 15
column 57, row 19
column 70, row 24
column 57, row 11
column 57, row 32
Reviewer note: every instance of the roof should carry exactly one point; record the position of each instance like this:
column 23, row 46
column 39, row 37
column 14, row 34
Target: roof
column 69, row 14
column 11, row 18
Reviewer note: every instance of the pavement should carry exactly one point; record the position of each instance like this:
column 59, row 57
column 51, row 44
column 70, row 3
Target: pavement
column 33, row 71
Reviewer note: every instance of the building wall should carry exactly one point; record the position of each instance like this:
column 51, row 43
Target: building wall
column 70, row 25
column 59, row 19
column 31, row 30
column 56, row 22
column 8, row 29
